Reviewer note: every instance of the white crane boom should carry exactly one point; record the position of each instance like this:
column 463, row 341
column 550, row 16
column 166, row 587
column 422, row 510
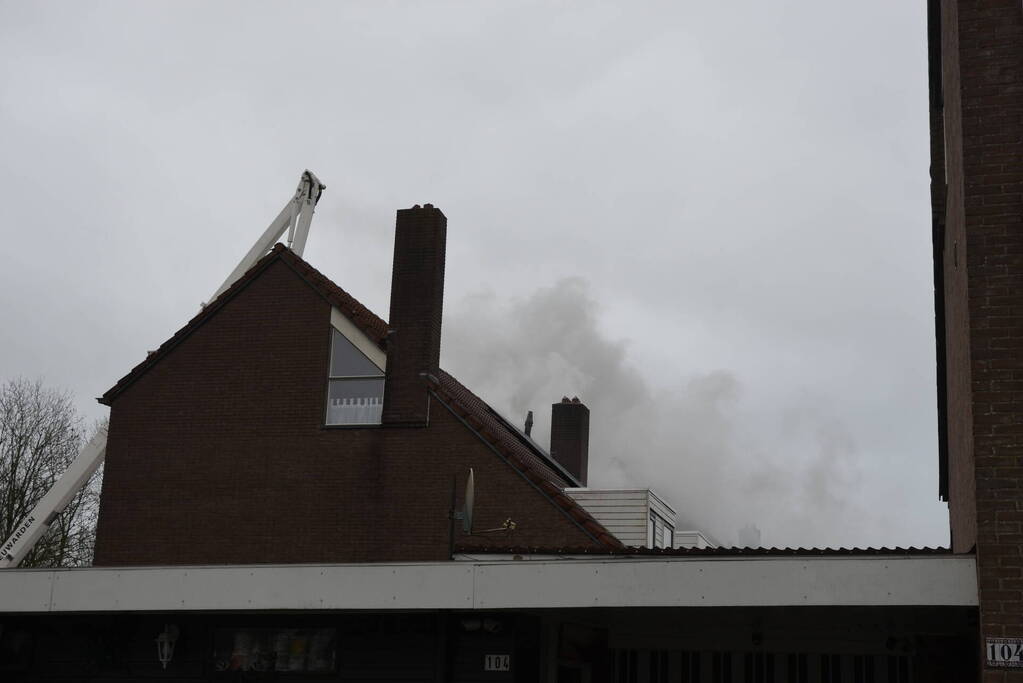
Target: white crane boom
column 34, row 526
column 295, row 218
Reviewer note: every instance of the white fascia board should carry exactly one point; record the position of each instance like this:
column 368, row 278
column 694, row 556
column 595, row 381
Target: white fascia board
column 239, row 588
column 588, row 489
column 586, row 493
column 746, row 582
column 875, row 581
column 692, row 536
column 340, row 322
column 662, row 501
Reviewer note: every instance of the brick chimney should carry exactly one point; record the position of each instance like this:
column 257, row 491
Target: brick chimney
column 417, row 298
column 570, row 436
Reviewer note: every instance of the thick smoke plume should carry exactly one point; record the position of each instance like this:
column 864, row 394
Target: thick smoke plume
column 792, row 468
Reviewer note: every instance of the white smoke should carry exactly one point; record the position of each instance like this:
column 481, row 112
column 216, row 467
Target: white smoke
column 791, row 468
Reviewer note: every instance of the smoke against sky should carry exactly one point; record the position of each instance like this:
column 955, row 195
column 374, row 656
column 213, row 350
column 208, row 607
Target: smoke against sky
column 792, row 467
column 710, row 221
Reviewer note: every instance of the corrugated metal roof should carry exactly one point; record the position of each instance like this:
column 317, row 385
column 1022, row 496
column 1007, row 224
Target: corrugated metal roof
column 697, row 552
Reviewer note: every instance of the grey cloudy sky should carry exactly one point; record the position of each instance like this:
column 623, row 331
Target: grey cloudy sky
column 708, row 220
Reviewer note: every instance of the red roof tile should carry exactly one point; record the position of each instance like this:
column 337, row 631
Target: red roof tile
column 371, row 325
column 520, row 454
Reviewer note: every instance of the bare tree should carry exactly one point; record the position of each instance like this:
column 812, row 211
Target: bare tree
column 40, row 434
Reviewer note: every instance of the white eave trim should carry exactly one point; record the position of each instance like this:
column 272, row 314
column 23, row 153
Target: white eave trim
column 598, row 491
column 624, row 582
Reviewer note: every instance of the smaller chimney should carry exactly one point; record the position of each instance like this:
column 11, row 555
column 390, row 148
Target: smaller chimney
column 529, row 423
column 570, row 436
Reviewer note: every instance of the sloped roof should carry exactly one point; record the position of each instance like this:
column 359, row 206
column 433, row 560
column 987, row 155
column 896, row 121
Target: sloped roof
column 519, row 451
column 369, row 323
column 506, row 435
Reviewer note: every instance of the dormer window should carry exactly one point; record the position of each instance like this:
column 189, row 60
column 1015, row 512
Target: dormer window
column 356, row 392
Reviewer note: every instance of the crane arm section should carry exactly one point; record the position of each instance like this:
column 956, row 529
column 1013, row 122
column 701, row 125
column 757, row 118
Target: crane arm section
column 294, row 218
column 35, row 525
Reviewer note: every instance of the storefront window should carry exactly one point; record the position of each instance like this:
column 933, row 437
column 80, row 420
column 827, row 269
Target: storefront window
column 268, row 649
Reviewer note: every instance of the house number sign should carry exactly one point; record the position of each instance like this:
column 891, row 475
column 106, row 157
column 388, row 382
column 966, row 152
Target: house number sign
column 1007, row 652
column 497, row 662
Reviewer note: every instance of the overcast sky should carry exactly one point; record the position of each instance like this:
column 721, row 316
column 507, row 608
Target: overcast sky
column 709, row 221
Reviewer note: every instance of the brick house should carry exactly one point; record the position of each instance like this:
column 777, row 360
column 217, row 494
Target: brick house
column 287, row 384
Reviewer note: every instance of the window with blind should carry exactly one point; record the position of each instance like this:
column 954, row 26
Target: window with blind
column 356, row 392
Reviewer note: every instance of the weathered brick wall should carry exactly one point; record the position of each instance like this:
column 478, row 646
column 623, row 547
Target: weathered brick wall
column 957, row 319
column 982, row 54
column 218, row 455
column 417, row 303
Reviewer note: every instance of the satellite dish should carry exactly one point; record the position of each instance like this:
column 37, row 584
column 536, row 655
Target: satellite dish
column 470, row 500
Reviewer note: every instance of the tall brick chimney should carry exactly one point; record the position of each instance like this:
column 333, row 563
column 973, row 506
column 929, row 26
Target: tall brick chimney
column 417, row 299
column 570, row 436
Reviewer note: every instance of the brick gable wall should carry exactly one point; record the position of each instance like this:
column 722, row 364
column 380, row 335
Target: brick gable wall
column 957, row 317
column 982, row 68
column 217, row 454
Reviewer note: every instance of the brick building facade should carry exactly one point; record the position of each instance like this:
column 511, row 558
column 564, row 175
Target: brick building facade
column 976, row 84
column 223, row 450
